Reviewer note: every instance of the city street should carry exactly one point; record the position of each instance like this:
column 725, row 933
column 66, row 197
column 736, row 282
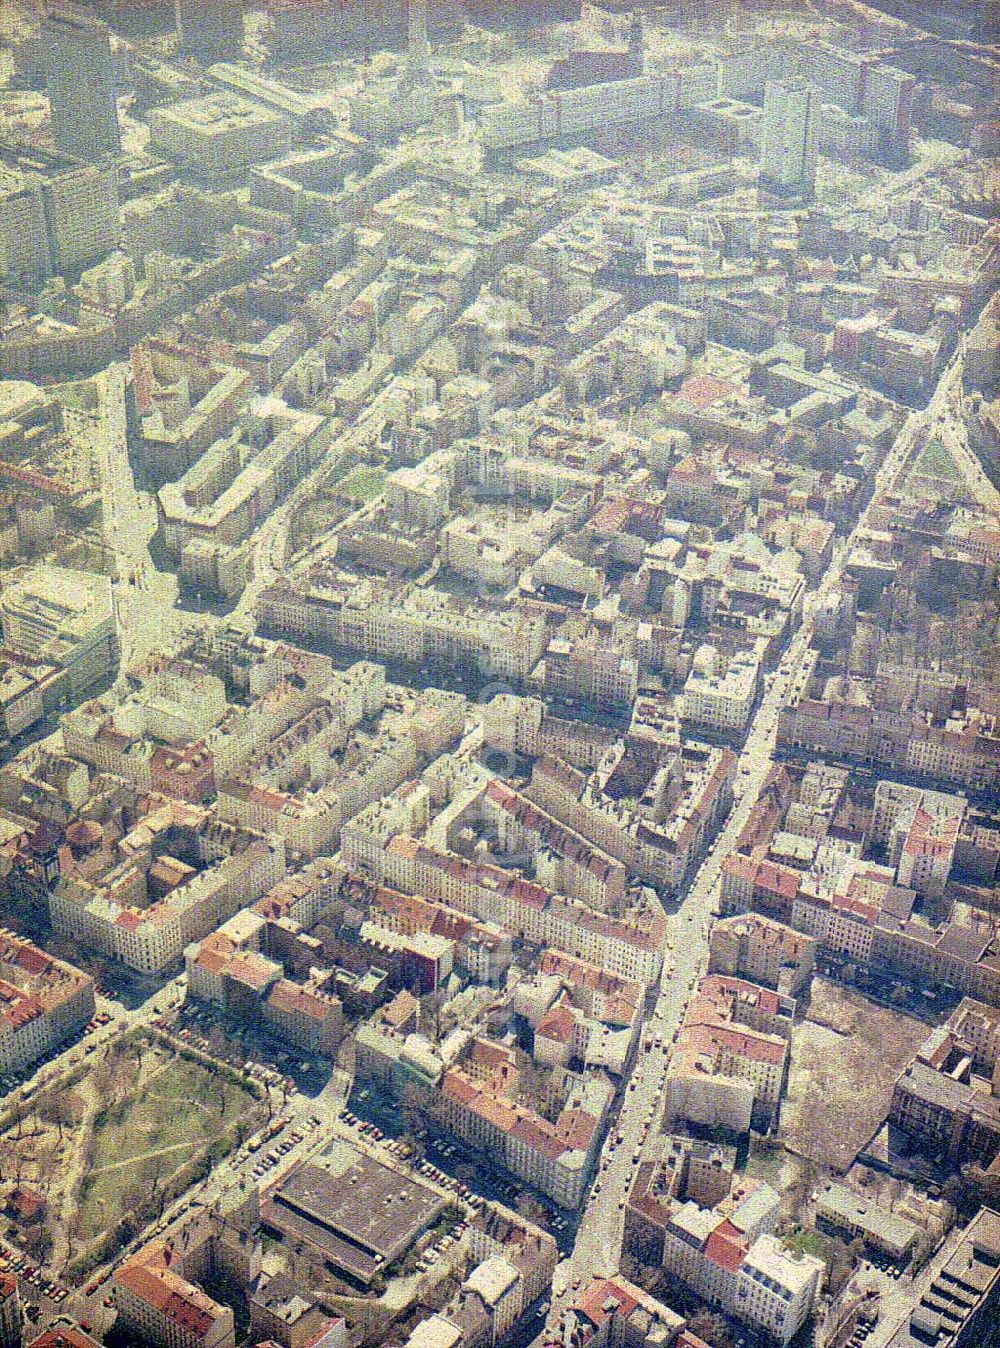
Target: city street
column 599, row 1237
column 145, row 598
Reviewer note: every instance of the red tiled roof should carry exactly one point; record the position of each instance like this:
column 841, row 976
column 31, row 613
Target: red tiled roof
column 726, row 1247
column 703, row 390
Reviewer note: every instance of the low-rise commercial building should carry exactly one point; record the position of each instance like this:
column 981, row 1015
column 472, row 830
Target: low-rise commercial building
column 845, row 1213
column 218, row 133
column 959, row 1307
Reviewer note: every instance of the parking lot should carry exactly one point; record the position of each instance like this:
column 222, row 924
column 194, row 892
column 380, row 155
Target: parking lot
column 40, row 1296
column 263, row 1058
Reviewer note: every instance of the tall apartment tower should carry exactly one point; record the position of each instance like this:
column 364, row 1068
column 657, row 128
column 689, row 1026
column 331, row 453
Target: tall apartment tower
column 211, row 30
column 418, row 47
column 80, row 78
column 788, row 144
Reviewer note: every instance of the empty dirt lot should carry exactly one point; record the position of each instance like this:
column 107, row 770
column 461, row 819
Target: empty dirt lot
column 846, row 1056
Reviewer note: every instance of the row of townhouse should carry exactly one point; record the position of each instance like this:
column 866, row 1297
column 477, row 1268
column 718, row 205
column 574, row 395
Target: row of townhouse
column 483, row 950
column 415, row 627
column 963, row 750
column 477, row 1100
column 42, row 1002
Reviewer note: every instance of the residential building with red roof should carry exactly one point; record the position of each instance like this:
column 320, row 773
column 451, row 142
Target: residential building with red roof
column 729, row 1256
column 43, row 1001
column 631, row 946
column 11, row 1319
column 163, row 1308
column 730, row 1062
column 480, row 1098
column 609, row 1311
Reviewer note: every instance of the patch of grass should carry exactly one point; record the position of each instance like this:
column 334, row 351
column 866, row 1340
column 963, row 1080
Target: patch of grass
column 808, row 1242
column 363, row 484
column 81, row 396
column 935, row 461
column 845, row 1058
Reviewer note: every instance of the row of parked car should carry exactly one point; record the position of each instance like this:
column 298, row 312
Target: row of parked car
column 11, row 1261
column 272, row 1157
column 368, row 1130
column 102, row 1018
column 440, row 1247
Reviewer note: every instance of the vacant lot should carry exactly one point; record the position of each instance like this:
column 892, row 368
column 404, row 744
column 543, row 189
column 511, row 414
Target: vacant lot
column 846, row 1056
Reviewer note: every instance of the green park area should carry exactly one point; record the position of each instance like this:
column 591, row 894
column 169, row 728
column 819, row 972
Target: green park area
column 140, row 1142
column 110, row 1146
column 362, row 485
column 935, row 461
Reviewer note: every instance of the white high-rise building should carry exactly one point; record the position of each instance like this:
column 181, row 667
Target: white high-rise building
column 788, row 144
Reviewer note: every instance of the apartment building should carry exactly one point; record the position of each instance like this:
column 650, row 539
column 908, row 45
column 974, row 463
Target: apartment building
column 146, row 916
column 630, row 946
column 417, row 627
column 960, row 749
column 186, row 402
column 478, row 1100
column 242, row 477
column 730, row 1062
column 524, row 725
column 11, row 1315
column 579, row 1013
column 860, row 914
column 512, row 1266
column 614, row 1313
column 157, row 1291
column 721, row 693
column 729, row 1257
column 569, row 862
column 754, row 947
column 482, row 950
column 920, row 831
column 162, row 1307
column 307, row 1015
column 947, row 1100
column 680, row 793
column 43, row 1001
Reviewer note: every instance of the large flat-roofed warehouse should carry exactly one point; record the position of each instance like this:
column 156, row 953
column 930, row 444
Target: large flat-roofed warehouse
column 218, row 133
column 356, row 1213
